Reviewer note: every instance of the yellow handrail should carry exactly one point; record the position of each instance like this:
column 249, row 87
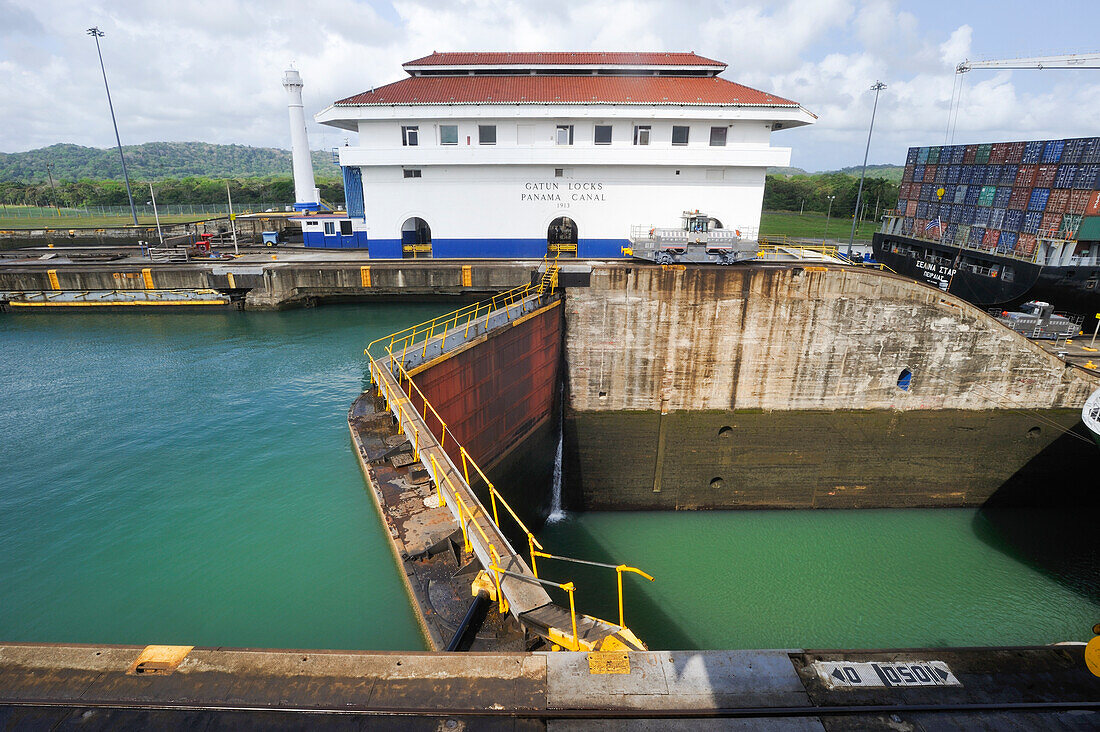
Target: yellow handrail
column 619, row 569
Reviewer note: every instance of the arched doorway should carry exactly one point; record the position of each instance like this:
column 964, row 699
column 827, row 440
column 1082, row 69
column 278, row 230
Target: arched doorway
column 561, row 237
column 416, row 238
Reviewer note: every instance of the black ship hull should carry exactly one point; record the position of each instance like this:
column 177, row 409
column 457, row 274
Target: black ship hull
column 987, row 279
column 982, row 278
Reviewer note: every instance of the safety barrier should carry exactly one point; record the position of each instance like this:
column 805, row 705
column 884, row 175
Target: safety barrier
column 782, row 247
column 387, row 361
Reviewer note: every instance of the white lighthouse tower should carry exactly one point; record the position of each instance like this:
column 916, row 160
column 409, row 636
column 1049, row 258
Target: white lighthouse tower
column 306, row 195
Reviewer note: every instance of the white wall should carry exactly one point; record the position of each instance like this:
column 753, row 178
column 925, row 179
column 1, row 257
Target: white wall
column 509, row 202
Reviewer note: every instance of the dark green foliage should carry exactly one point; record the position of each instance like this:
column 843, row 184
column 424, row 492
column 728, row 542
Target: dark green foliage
column 157, row 161
column 271, row 189
column 790, row 193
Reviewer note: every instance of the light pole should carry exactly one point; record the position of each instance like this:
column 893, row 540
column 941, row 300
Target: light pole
column 96, row 33
column 828, row 215
column 53, row 191
column 153, row 198
column 876, row 88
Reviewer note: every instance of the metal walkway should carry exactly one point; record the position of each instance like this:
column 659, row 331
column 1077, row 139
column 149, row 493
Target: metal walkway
column 515, row 584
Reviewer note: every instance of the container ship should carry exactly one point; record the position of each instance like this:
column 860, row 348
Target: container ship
column 999, row 223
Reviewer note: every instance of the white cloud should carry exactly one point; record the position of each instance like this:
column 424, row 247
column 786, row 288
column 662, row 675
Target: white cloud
column 210, row 69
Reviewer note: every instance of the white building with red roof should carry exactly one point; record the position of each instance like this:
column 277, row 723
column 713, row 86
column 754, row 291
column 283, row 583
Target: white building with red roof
column 499, row 154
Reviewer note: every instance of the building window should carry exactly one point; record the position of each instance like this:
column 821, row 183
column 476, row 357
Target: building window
column 564, row 135
column 641, row 134
column 410, row 136
column 345, row 228
column 680, row 134
column 603, row 135
column 487, row 134
column 412, row 172
column 330, row 228
column 717, row 136
column 448, row 134
column 559, row 172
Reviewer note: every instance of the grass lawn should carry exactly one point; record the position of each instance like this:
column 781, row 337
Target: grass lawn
column 812, row 226
column 42, row 217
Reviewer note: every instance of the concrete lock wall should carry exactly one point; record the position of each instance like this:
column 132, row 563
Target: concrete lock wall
column 779, row 388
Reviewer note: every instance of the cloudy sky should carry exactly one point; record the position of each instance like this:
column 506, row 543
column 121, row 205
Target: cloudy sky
column 210, row 69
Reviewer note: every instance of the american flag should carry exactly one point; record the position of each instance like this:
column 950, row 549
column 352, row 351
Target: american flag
column 933, row 224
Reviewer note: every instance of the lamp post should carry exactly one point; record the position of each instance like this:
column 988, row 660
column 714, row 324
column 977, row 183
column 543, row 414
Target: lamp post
column 828, row 215
column 153, row 198
column 53, row 191
column 96, row 33
column 876, row 88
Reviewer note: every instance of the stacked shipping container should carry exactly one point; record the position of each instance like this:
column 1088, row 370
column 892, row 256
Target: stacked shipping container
column 1000, row 196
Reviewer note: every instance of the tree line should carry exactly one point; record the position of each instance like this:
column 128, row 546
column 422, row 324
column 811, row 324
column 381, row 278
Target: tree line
column 811, row 193
column 193, row 190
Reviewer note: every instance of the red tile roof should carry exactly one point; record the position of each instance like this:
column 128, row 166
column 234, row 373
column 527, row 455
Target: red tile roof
column 546, row 89
column 563, row 58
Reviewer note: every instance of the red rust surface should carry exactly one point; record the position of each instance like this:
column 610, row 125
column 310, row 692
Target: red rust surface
column 493, row 393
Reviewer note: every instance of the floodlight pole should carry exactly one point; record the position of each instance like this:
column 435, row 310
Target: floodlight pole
column 96, row 33
column 876, row 88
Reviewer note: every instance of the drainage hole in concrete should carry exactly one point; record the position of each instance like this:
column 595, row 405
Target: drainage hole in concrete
column 603, row 395
column 717, row 484
column 905, row 378
column 1033, row 433
column 726, row 431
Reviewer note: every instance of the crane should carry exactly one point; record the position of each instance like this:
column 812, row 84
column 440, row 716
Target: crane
column 1064, row 61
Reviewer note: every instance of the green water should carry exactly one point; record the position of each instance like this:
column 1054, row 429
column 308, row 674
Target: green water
column 188, row 478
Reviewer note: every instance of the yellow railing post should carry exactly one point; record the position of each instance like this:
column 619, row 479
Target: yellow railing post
column 465, row 466
column 493, row 500
column 462, row 522
column 531, row 546
column 619, row 577
column 569, row 587
column 438, row 487
column 502, row 603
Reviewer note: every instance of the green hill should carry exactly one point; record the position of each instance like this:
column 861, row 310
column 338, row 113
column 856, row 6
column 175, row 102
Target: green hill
column 891, row 173
column 156, row 161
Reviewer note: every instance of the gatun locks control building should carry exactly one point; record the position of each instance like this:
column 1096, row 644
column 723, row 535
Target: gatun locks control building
column 503, row 154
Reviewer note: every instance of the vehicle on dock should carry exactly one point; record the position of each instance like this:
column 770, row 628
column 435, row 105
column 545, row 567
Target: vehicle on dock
column 699, row 240
column 1037, row 320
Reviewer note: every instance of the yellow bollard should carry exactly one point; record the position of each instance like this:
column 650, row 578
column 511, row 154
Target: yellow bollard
column 364, row 276
column 52, row 275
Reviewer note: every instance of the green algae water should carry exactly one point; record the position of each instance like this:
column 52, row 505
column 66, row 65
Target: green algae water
column 188, row 478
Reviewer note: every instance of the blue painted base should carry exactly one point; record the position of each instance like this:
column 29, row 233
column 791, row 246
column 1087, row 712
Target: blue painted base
column 499, row 248
column 309, row 207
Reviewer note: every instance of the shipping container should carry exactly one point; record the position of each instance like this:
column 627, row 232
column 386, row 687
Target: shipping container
column 911, row 209
column 933, row 155
column 986, row 195
column 1025, row 176
column 907, row 225
column 1008, row 175
column 962, row 235
column 958, row 152
column 900, row 208
column 941, row 174
column 1050, row 224
column 1014, row 220
column 953, row 173
column 949, row 193
column 1033, row 153
column 1079, row 201
column 1032, row 220
column 911, row 156
column 997, row 218
column 918, row 226
column 967, row 215
column 1008, row 240
column 1044, row 175
column 1058, row 201
column 992, row 175
column 928, row 192
column 922, row 156
column 972, row 195
column 1052, row 151
column 960, row 193
column 989, row 239
column 1073, row 150
column 1091, row 153
column 1092, row 206
column 981, row 157
column 1038, row 200
column 981, row 216
column 1014, row 155
column 918, row 173
column 922, row 209
column 907, row 176
column 969, row 153
column 1004, row 193
column 998, row 153
column 930, row 173
column 949, row 212
column 1065, row 176
column 1025, row 245
column 949, row 232
column 976, row 235
column 1088, row 177
column 1019, row 198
